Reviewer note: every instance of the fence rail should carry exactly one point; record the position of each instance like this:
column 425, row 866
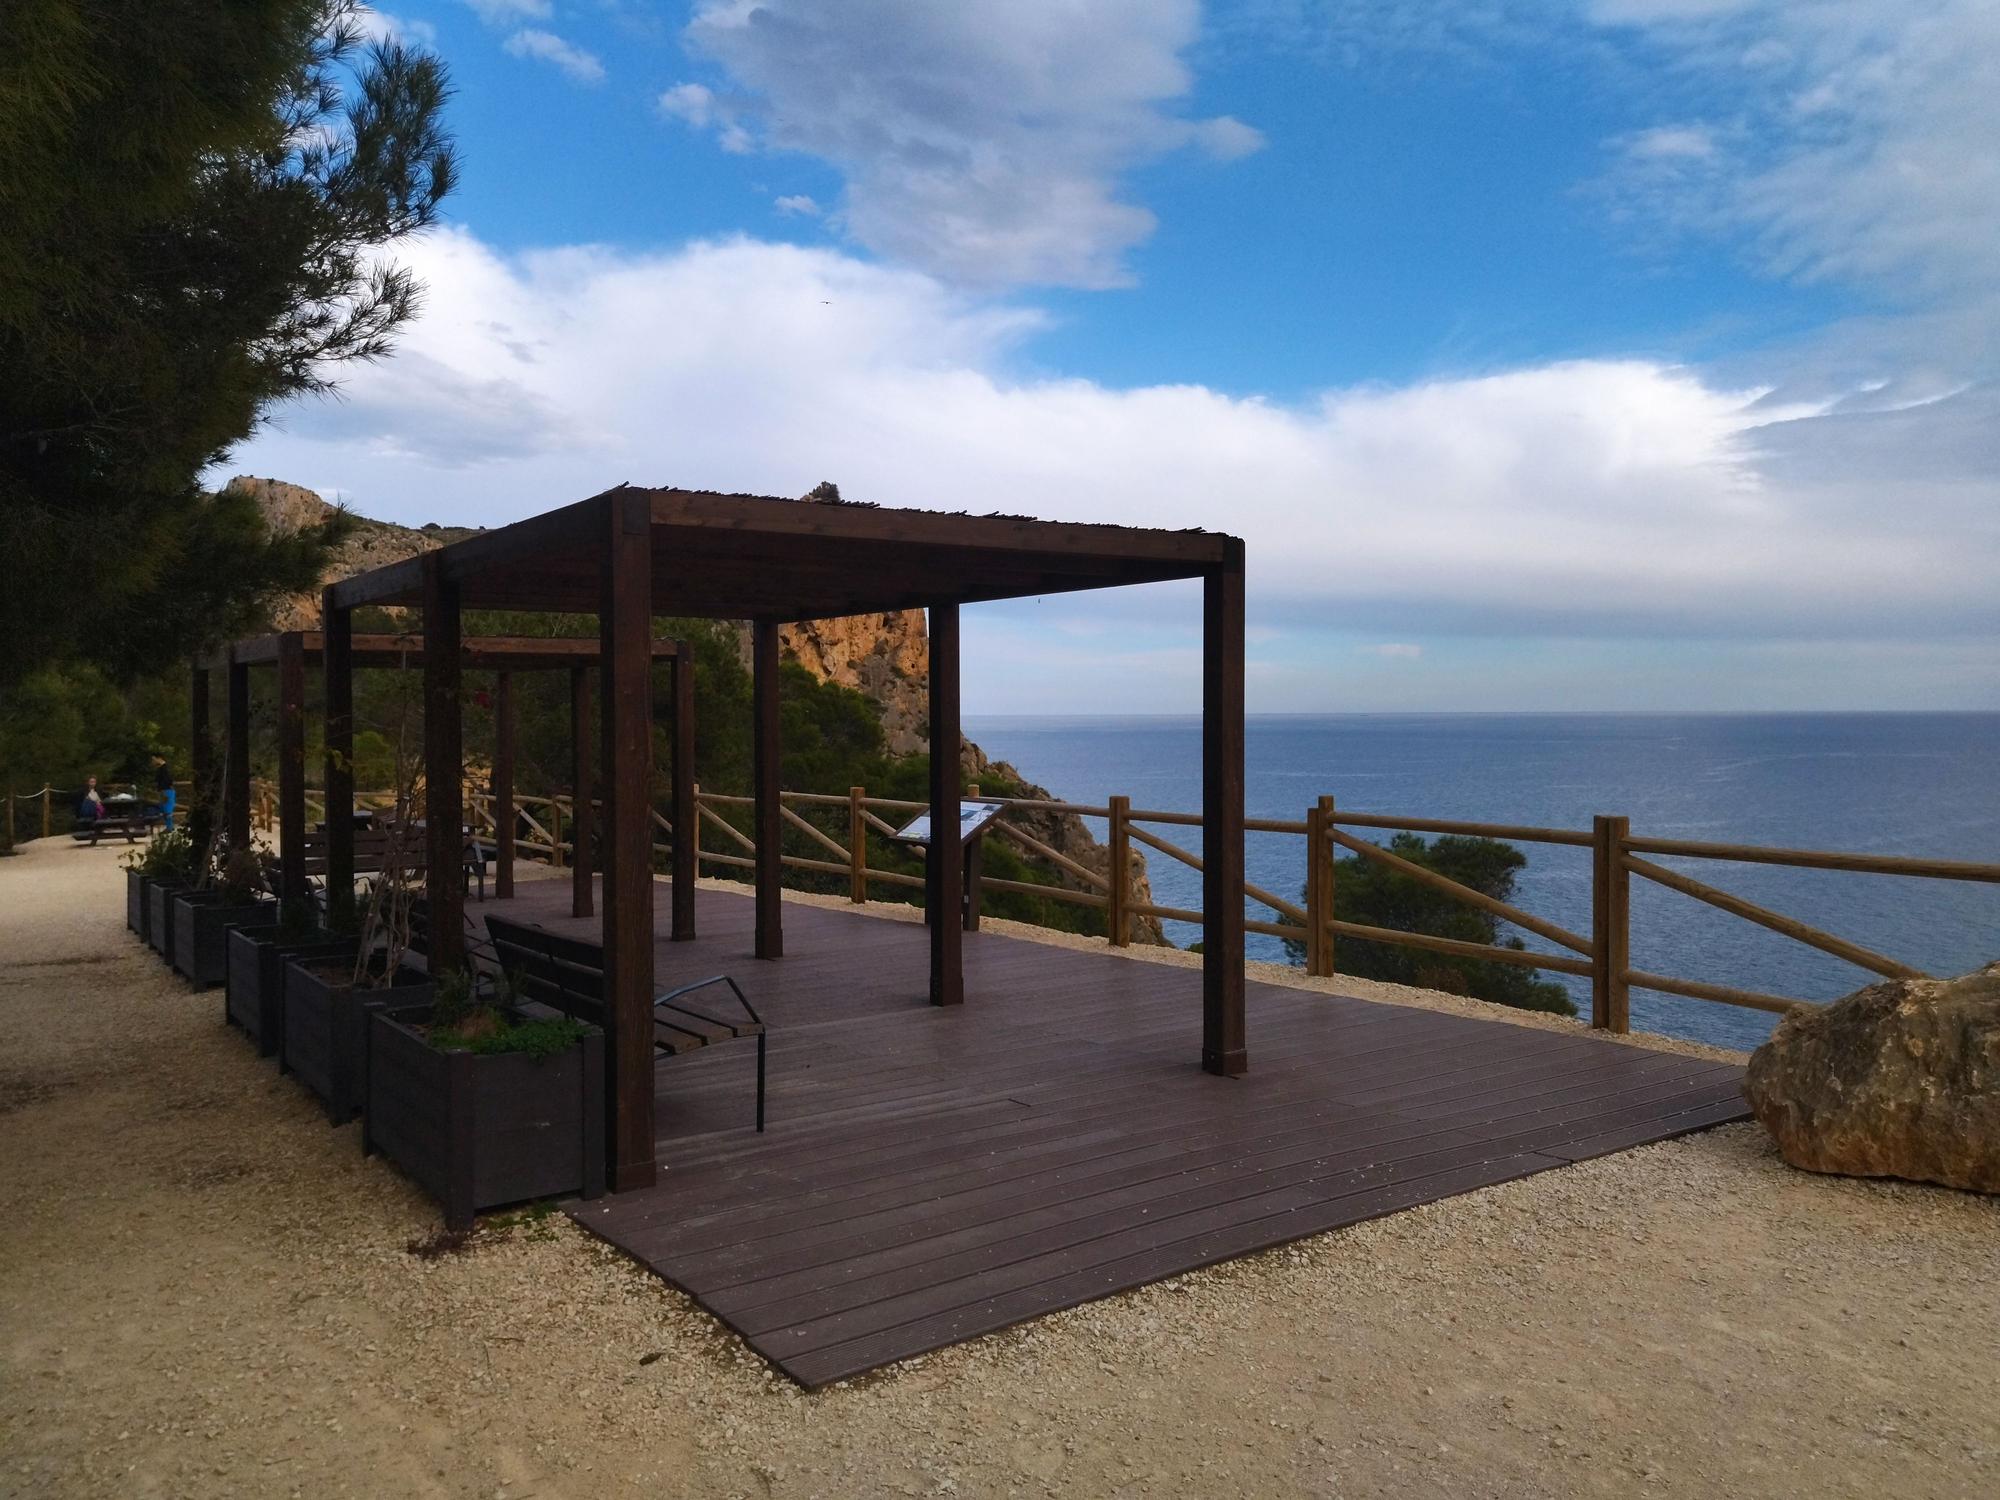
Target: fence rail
column 1602, row 956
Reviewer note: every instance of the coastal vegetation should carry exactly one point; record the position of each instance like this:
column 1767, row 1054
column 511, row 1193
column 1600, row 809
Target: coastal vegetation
column 1377, row 896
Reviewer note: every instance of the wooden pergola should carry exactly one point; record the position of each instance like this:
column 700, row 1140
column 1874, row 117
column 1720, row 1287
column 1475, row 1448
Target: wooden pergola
column 292, row 652
column 628, row 552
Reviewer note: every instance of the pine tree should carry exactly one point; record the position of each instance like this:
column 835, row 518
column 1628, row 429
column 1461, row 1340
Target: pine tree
column 194, row 195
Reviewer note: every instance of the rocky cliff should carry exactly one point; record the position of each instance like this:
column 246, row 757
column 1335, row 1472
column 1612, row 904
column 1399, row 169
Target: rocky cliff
column 884, row 656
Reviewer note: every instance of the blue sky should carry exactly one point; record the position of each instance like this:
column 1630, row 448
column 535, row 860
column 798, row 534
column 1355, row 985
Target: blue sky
column 1607, row 354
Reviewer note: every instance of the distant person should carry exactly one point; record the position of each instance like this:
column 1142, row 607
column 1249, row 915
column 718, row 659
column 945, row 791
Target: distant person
column 163, row 780
column 90, row 806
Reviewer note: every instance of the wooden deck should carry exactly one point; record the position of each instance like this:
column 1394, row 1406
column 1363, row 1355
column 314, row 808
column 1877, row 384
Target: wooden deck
column 930, row 1175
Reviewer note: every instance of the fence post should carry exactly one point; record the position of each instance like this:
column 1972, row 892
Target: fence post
column 695, row 832
column 8, row 841
column 1319, row 887
column 555, row 833
column 1610, row 925
column 857, row 845
column 47, row 828
column 1118, row 890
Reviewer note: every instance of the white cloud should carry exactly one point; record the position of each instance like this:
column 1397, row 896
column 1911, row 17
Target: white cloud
column 1672, row 143
column 380, row 26
column 1227, row 138
column 546, row 46
column 982, row 143
column 797, row 203
column 1597, row 497
column 1395, row 650
column 1862, row 147
column 690, row 102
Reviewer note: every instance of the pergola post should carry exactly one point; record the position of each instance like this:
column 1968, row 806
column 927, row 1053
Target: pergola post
column 503, row 785
column 767, row 821
column 292, row 766
column 944, row 870
column 236, row 770
column 580, row 821
column 685, row 816
column 337, row 667
column 1222, row 1042
column 625, row 621
column 444, row 770
column 201, row 809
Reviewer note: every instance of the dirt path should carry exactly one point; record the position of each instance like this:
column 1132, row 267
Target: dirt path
column 204, row 1291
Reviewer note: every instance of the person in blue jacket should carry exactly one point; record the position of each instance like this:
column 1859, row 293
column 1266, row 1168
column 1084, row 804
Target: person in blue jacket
column 163, row 780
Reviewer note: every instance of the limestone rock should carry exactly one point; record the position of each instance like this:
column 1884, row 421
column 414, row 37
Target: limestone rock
column 286, row 507
column 1901, row 1079
column 289, row 507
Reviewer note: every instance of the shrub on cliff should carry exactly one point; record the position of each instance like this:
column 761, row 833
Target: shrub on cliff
column 1374, row 895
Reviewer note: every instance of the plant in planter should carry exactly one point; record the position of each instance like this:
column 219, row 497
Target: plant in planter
column 255, row 997
column 482, row 1104
column 233, row 897
column 166, row 866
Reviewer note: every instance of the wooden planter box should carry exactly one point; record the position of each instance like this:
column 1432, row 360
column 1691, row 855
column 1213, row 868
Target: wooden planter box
column 476, row 1131
column 160, row 915
column 325, row 1029
column 137, row 913
column 201, row 932
column 255, row 995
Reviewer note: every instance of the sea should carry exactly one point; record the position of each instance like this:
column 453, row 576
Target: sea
column 1877, row 783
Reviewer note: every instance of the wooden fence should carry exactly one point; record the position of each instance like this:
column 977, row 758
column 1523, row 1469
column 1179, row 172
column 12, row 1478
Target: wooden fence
column 1603, row 955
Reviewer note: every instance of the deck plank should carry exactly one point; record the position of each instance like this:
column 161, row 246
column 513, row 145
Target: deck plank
column 932, row 1175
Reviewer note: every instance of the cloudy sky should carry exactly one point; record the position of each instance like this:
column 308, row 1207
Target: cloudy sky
column 1547, row 353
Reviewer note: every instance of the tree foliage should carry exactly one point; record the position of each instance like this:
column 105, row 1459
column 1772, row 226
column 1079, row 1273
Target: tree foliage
column 193, row 200
column 1371, row 893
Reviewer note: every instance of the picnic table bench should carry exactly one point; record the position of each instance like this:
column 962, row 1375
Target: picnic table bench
column 567, row 974
column 133, row 825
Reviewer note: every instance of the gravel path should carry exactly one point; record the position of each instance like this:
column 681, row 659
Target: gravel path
column 204, row 1291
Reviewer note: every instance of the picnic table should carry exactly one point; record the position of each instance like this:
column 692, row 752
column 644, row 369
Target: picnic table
column 123, row 813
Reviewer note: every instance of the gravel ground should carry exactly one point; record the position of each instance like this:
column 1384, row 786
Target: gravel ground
column 205, row 1291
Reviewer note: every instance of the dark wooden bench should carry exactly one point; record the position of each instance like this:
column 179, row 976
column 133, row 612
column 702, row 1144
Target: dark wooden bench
column 567, row 974
column 373, row 854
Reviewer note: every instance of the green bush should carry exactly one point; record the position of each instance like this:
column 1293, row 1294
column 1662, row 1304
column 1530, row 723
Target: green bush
column 1373, row 894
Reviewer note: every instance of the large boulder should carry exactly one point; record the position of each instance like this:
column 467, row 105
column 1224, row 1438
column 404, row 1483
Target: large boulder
column 1901, row 1079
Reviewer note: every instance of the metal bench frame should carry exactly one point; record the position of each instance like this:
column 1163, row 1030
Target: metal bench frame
column 567, row 974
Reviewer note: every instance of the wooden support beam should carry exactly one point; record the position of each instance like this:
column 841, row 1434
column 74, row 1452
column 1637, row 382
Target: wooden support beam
column 337, row 670
column 944, row 869
column 1610, row 925
column 444, row 770
column 236, row 772
column 201, row 806
column 1223, row 1049
column 581, row 822
column 625, row 618
column 687, row 833
column 292, row 768
column 503, row 785
column 766, row 824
